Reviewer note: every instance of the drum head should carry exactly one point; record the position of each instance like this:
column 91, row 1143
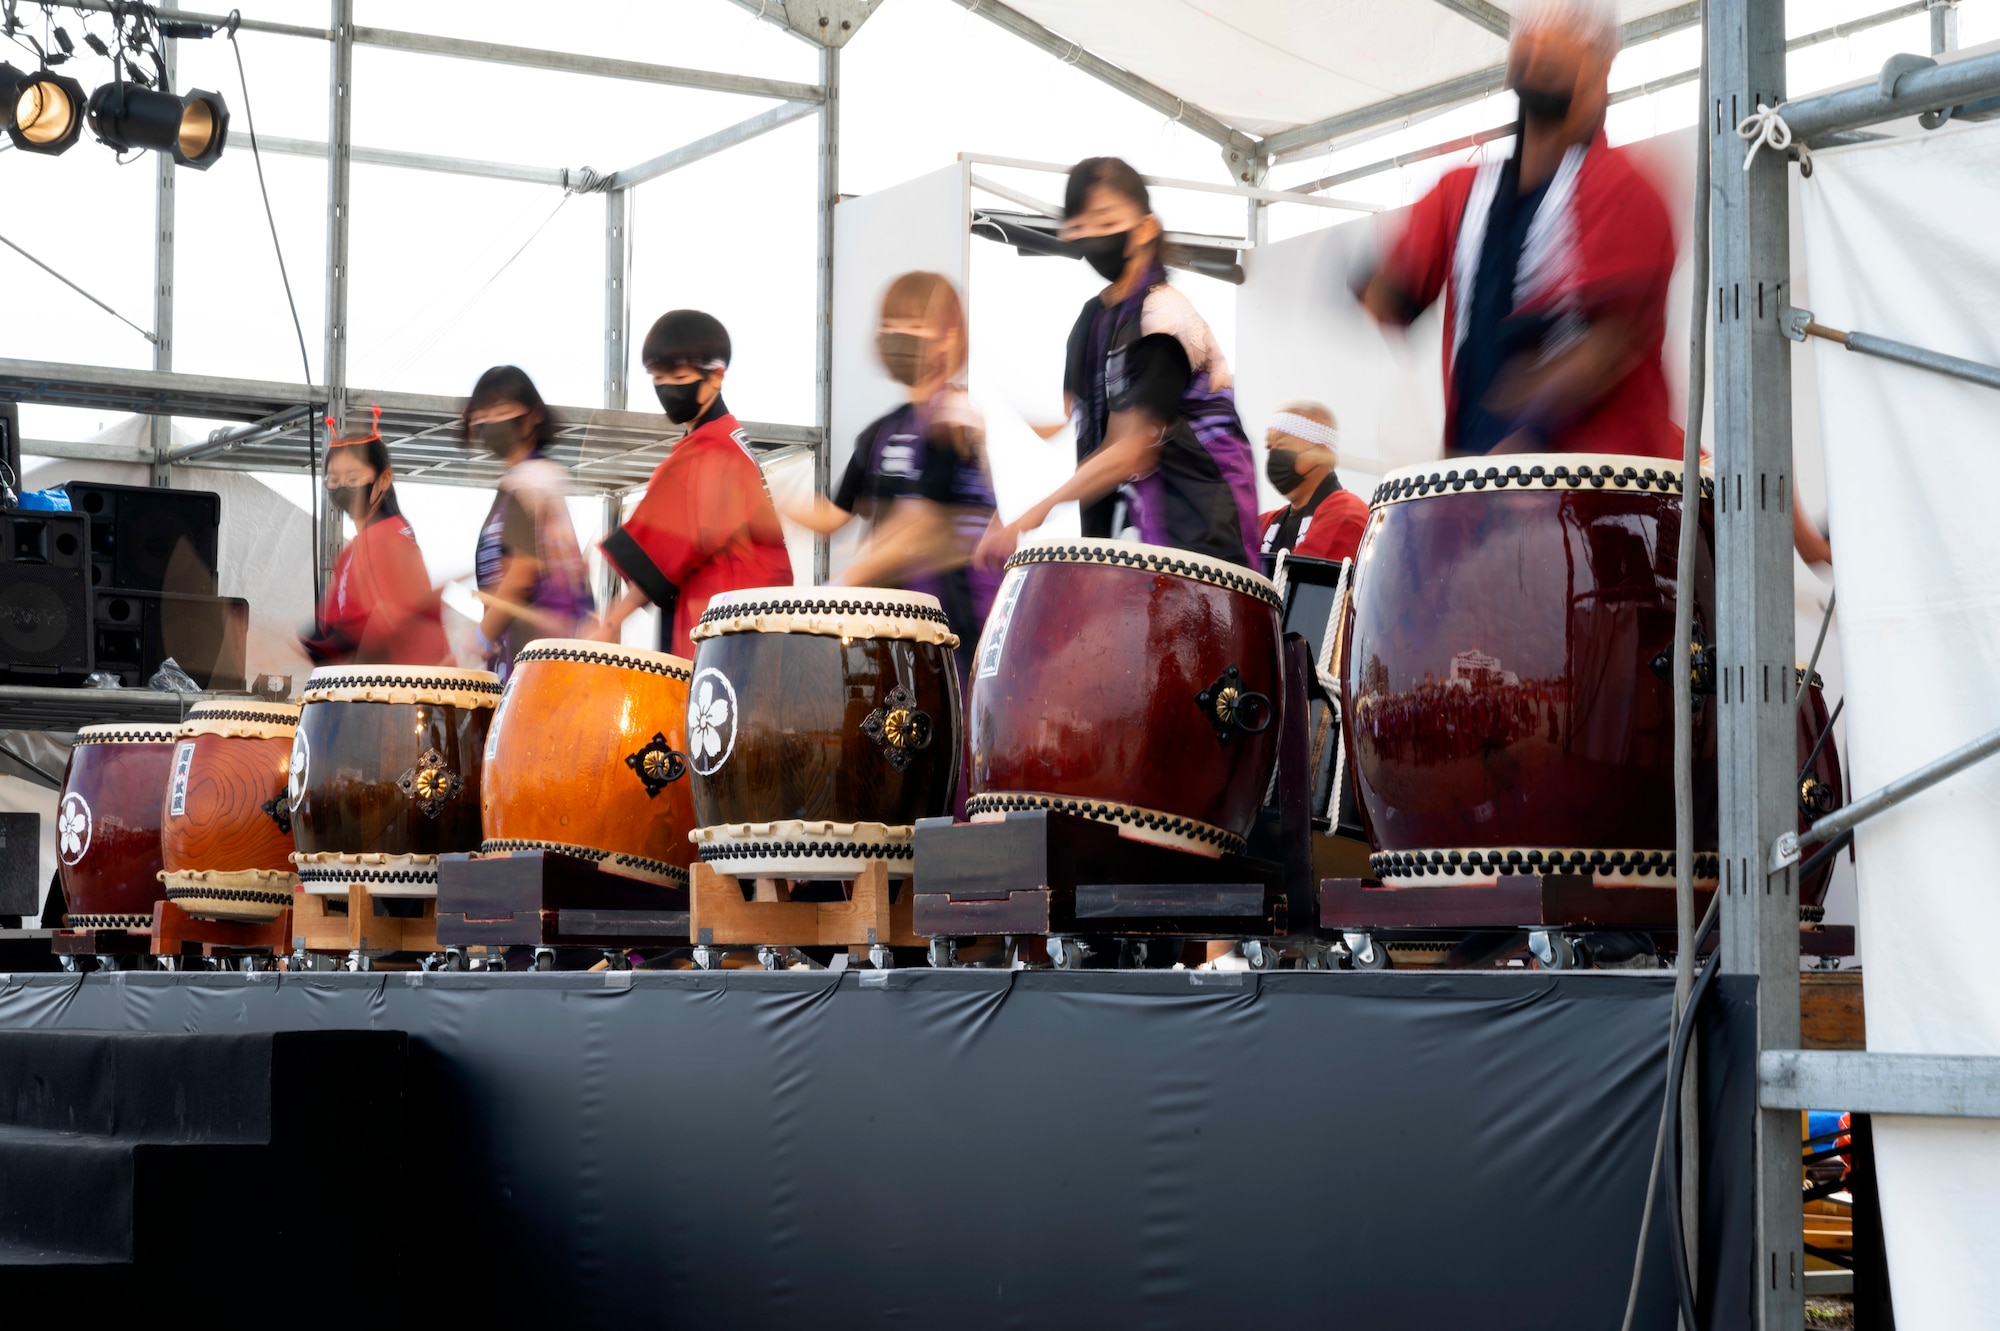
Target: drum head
column 1148, row 558
column 847, row 613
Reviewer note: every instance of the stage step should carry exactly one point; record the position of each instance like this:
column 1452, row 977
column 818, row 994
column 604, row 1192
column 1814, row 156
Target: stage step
column 122, row 1153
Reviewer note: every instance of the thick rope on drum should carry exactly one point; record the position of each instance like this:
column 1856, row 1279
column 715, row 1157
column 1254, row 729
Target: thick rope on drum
column 1767, row 129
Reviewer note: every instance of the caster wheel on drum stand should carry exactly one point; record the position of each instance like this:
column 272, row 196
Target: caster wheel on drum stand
column 943, row 953
column 1553, row 951
column 617, row 959
column 168, row 963
column 545, row 958
column 1365, row 954
column 1261, row 955
column 707, row 959
column 1068, row 954
column 69, row 963
column 358, row 960
column 105, row 962
column 881, row 958
column 771, row 958
column 454, row 959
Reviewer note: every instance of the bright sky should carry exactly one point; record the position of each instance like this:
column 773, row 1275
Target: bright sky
column 434, row 299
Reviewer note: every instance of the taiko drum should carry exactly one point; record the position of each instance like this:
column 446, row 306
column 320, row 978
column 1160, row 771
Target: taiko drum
column 1507, row 691
column 1821, row 789
column 822, row 723
column 108, row 824
column 226, row 823
column 1132, row 684
column 385, row 775
column 585, row 756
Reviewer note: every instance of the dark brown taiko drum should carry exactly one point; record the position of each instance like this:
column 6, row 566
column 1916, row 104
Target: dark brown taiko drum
column 226, row 828
column 385, row 775
column 822, row 722
column 1132, row 684
column 1506, row 692
column 108, row 825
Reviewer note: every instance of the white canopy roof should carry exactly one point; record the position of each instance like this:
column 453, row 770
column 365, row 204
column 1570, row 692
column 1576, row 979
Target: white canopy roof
column 1268, row 66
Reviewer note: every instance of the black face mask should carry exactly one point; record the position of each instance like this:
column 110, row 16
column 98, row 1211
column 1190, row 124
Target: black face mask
column 1104, row 253
column 902, row 355
column 681, row 402
column 351, row 499
column 1280, row 465
column 499, row 438
column 1540, row 105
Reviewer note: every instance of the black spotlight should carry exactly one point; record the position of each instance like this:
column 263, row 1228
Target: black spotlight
column 192, row 128
column 42, row 112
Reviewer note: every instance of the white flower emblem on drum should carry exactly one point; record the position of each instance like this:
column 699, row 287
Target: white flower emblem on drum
column 711, row 721
column 73, row 827
column 295, row 782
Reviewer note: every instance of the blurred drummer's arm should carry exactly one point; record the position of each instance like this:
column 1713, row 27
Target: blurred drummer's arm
column 1554, row 392
column 916, row 537
column 1412, row 272
column 1048, row 430
column 516, row 585
column 822, row 515
column 1812, row 544
column 629, row 602
column 1131, row 448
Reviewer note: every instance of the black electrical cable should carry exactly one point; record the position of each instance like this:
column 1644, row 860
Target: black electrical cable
column 312, row 424
column 1824, row 735
column 1676, row 1062
column 1826, row 852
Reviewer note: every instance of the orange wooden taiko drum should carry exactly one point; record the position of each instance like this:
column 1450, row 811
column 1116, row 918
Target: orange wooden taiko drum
column 584, row 757
column 226, row 825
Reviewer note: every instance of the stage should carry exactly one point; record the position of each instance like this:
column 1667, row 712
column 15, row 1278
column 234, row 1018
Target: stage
column 995, row 1148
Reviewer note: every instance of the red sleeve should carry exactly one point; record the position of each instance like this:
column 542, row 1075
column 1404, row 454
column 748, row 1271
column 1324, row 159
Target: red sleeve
column 1336, row 528
column 1625, row 241
column 695, row 505
column 1420, row 258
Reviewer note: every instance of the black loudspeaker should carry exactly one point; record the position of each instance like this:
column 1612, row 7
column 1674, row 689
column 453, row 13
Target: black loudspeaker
column 205, row 636
column 10, row 444
column 149, row 539
column 45, row 626
column 20, row 863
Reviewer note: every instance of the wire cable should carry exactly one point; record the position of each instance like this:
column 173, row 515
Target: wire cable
column 78, row 290
column 1668, row 1122
column 312, row 426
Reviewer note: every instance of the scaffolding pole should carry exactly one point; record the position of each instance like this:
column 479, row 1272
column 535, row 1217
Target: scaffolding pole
column 161, row 428
column 829, row 196
column 339, row 144
column 1754, row 635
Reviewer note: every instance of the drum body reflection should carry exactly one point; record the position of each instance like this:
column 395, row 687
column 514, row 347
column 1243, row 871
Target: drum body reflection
column 1508, row 704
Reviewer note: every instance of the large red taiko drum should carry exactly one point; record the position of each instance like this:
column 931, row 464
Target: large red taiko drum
column 1133, row 684
column 1506, row 692
column 108, row 824
column 226, row 828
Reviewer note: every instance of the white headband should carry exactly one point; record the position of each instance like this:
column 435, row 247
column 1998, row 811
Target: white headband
column 1306, row 428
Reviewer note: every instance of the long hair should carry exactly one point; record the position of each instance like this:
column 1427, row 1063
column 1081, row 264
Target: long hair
column 376, row 454
column 507, row 383
column 932, row 298
column 1114, row 173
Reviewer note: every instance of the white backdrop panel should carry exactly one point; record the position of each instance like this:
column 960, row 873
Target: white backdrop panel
column 917, row 225
column 1899, row 243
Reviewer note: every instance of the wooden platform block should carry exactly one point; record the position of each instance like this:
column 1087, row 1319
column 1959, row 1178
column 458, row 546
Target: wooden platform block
column 541, row 898
column 320, row 925
column 720, row 917
column 1055, row 873
column 101, row 942
column 175, row 931
column 1831, row 1012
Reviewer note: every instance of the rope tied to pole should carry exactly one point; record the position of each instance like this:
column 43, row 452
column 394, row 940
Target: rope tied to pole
column 1767, row 129
column 584, row 180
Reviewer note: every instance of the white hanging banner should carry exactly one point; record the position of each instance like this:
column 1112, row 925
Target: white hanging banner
column 1900, row 243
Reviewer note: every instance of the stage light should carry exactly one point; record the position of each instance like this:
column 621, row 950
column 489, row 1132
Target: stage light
column 43, row 110
column 193, row 128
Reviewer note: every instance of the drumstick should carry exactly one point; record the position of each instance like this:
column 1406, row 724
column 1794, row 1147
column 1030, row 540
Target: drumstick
column 541, row 619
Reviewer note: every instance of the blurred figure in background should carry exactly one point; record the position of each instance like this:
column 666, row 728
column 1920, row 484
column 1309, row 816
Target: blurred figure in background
column 380, row 608
column 1553, row 264
column 1323, row 520
column 1148, row 390
column 918, row 474
column 532, row 578
column 706, row 524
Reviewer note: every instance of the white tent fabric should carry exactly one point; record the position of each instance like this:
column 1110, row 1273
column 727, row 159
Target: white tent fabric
column 1268, row 65
column 264, row 548
column 1899, row 243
